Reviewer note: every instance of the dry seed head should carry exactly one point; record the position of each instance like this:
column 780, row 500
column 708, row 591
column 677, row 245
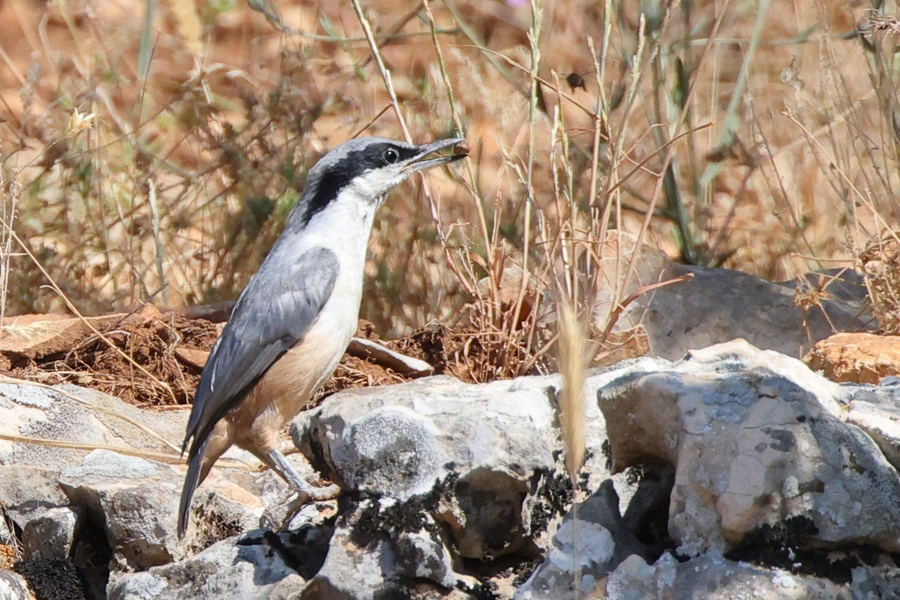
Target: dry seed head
column 573, row 369
column 880, row 22
column 79, row 122
column 185, row 13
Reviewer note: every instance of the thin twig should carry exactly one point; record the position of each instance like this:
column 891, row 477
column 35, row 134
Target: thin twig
column 382, row 70
column 160, row 456
column 389, row 87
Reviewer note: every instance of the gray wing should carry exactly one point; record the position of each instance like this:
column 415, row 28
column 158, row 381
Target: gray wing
column 273, row 313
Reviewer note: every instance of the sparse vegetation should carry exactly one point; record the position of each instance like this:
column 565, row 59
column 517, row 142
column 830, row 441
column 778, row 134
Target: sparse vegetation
column 161, row 165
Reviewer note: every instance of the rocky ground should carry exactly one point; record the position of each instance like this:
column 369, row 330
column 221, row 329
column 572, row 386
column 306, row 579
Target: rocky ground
column 715, row 468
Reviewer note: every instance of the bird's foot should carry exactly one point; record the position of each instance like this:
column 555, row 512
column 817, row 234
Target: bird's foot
column 285, row 506
column 307, row 492
column 303, row 499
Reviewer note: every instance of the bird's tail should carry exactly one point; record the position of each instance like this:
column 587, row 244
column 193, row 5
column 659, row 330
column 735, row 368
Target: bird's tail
column 191, row 481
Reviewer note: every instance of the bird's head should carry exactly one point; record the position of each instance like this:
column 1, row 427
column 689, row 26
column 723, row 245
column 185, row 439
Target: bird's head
column 364, row 170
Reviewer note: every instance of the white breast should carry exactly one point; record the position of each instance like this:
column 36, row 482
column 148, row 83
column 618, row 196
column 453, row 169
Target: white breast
column 344, row 227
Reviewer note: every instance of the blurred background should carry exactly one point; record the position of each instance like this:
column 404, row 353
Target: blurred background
column 151, row 150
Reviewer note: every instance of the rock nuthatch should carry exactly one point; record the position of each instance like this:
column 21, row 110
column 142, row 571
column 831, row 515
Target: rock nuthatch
column 294, row 319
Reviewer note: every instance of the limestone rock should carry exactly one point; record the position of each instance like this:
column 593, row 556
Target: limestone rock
column 136, row 500
column 422, row 555
column 257, row 566
column 742, row 459
column 93, row 419
column 52, row 534
column 13, row 586
column 488, row 449
column 365, row 563
column 591, row 545
column 360, row 572
column 876, row 410
column 133, row 498
column 713, row 578
column 717, row 305
column 875, row 583
column 27, row 490
column 755, row 438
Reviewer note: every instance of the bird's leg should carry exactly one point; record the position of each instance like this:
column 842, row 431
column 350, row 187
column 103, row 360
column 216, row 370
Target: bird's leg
column 308, row 492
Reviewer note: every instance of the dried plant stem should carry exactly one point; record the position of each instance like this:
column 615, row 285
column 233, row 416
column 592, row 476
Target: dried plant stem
column 160, row 456
column 10, row 192
column 617, row 310
column 389, row 87
column 670, row 149
column 534, row 37
column 458, row 126
column 382, row 70
column 158, row 255
column 599, row 115
column 863, row 198
column 731, row 120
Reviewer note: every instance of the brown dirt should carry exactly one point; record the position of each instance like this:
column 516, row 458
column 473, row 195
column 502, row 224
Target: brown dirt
column 472, row 353
column 172, row 350
column 56, row 350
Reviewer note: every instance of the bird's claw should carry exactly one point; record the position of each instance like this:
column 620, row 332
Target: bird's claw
column 311, row 493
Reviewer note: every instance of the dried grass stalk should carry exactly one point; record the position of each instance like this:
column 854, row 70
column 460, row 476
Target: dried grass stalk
column 573, row 369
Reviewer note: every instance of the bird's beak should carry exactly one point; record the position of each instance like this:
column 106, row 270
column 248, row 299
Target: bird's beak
column 420, row 160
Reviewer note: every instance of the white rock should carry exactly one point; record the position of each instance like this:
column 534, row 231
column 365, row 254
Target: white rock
column 494, row 447
column 52, row 534
column 714, row 578
column 41, row 413
column 136, row 500
column 252, row 568
column 590, row 547
column 13, row 586
column 755, row 438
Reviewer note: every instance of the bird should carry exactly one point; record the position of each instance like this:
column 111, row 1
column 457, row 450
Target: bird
column 294, row 319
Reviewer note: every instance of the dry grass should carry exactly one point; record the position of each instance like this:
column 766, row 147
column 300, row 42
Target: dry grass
column 880, row 261
column 573, row 369
column 759, row 136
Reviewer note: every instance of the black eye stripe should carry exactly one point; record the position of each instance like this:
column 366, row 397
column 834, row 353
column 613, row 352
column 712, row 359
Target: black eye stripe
column 329, row 181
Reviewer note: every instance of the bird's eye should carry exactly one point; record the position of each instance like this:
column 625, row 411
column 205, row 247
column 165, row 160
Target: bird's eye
column 391, row 156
